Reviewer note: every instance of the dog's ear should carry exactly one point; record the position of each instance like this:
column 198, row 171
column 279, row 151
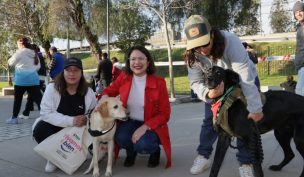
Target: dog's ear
column 104, row 109
column 214, row 76
column 232, row 77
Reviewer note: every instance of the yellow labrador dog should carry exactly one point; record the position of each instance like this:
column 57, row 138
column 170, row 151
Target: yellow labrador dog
column 102, row 127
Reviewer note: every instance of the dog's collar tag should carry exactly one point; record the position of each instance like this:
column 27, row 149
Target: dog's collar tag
column 95, row 133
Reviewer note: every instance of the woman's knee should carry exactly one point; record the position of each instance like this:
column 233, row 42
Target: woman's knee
column 148, row 143
column 122, row 138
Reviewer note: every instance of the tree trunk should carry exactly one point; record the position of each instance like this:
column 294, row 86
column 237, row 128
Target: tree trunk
column 77, row 16
column 9, row 78
column 169, row 58
column 93, row 41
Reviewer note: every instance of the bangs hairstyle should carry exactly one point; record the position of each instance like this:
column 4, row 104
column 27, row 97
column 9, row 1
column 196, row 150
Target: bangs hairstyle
column 61, row 86
column 216, row 52
column 151, row 69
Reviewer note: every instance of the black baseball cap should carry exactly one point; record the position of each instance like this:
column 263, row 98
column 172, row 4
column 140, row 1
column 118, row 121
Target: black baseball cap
column 73, row 62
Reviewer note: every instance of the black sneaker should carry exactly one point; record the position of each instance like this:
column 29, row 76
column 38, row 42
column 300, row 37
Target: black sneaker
column 154, row 159
column 130, row 160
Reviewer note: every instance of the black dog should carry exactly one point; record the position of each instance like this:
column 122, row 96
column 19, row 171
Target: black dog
column 283, row 113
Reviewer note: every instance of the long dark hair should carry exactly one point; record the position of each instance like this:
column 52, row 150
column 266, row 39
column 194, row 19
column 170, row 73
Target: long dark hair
column 151, row 68
column 217, row 50
column 61, row 86
column 25, row 41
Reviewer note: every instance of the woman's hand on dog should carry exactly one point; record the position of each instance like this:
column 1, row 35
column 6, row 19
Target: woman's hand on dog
column 80, row 121
column 256, row 116
column 217, row 91
column 139, row 133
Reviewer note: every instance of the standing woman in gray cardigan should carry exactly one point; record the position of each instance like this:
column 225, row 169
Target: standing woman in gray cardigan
column 206, row 47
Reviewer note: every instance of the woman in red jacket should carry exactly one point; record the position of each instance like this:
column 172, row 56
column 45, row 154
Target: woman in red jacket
column 146, row 98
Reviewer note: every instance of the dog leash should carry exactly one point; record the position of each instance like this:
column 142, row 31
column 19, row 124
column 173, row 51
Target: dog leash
column 96, row 133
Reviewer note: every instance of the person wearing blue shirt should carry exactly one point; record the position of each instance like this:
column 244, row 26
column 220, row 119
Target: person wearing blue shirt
column 57, row 62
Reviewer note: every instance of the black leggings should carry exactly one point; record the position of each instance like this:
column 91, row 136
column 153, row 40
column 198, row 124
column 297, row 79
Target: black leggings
column 33, row 91
column 30, row 101
column 43, row 130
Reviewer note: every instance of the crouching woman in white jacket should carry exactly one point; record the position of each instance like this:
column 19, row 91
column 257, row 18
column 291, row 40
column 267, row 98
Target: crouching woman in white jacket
column 65, row 103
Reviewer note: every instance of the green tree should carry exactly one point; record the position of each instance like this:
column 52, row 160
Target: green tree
column 7, row 47
column 78, row 14
column 26, row 18
column 280, row 17
column 239, row 16
column 132, row 26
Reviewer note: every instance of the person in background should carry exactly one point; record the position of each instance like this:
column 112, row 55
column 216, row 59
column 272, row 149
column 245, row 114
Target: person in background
column 92, row 83
column 42, row 74
column 104, row 73
column 254, row 58
column 146, row 98
column 207, row 46
column 298, row 12
column 289, row 85
column 251, row 52
column 26, row 78
column 64, row 104
column 117, row 67
column 56, row 64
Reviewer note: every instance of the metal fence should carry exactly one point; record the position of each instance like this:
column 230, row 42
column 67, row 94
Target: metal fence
column 277, row 67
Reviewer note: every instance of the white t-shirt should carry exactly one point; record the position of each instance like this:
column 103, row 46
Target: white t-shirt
column 136, row 98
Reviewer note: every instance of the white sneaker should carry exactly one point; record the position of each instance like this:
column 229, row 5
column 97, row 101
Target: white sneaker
column 200, row 164
column 50, row 167
column 246, row 170
column 21, row 116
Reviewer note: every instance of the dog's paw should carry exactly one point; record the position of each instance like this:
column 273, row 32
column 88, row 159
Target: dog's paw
column 108, row 174
column 95, row 173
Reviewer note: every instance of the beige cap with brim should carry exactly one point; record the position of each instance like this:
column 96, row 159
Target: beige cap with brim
column 197, row 30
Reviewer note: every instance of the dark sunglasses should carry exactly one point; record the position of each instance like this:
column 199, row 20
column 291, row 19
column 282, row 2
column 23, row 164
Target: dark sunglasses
column 204, row 46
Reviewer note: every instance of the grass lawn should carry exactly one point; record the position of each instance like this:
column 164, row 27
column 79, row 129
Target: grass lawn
column 181, row 84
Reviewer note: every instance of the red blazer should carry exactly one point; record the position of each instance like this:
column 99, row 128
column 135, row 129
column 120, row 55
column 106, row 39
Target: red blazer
column 157, row 108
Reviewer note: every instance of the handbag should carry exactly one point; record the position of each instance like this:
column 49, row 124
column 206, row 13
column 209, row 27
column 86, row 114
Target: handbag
column 67, row 149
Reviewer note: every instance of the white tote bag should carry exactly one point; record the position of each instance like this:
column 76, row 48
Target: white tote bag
column 66, row 149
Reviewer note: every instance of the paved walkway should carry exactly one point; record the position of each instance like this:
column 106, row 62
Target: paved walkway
column 17, row 158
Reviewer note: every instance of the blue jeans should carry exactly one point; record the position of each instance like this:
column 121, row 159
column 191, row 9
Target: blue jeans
column 147, row 144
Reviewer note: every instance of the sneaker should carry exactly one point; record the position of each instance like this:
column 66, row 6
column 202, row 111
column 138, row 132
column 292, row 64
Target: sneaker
column 21, row 116
column 200, row 164
column 12, row 120
column 50, row 167
column 246, row 170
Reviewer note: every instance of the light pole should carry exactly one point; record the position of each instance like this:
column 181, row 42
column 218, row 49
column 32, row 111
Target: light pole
column 108, row 49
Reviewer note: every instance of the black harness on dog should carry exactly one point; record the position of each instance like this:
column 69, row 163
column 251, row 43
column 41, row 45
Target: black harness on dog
column 220, row 115
column 96, row 133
